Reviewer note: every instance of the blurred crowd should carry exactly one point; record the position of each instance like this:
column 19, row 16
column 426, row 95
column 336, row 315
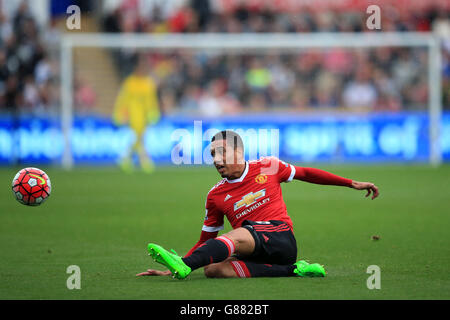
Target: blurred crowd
column 367, row 79
column 27, row 72
column 211, row 84
column 238, row 16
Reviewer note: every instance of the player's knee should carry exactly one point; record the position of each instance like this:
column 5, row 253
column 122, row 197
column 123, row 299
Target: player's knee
column 215, row 270
column 242, row 239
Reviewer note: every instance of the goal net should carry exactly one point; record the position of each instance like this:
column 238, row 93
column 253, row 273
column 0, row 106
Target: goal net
column 372, row 97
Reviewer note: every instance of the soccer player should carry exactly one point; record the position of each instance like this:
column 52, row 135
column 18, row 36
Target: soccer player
column 262, row 242
column 137, row 105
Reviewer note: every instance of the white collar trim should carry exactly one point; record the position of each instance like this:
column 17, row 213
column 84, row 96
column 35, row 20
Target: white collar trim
column 244, row 174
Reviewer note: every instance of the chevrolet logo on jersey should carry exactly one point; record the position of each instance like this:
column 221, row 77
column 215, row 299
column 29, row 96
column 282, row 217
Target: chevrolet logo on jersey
column 249, row 199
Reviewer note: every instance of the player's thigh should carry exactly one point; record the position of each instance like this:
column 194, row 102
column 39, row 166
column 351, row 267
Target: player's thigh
column 243, row 241
column 222, row 269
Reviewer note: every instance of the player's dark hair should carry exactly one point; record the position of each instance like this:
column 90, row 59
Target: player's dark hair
column 231, row 137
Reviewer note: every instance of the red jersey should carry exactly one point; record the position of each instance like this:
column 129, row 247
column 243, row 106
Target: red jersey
column 255, row 196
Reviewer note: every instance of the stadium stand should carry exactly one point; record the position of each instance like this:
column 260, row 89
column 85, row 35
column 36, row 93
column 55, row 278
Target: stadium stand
column 376, row 79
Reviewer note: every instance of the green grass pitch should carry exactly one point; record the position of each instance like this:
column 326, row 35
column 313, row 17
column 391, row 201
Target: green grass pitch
column 102, row 219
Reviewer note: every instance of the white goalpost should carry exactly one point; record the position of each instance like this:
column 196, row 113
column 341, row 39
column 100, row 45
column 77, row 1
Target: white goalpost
column 254, row 43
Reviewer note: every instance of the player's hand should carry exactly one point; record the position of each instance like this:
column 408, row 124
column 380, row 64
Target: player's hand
column 370, row 187
column 152, row 272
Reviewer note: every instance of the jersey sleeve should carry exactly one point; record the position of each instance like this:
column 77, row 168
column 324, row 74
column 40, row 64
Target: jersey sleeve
column 285, row 172
column 213, row 216
column 318, row 176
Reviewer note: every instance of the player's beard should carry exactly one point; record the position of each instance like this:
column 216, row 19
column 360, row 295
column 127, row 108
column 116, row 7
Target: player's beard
column 223, row 171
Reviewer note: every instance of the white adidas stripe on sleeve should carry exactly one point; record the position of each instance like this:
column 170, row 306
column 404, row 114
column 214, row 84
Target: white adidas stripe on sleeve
column 212, row 229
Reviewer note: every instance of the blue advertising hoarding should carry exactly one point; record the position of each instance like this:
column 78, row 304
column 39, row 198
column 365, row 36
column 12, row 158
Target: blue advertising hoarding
column 381, row 137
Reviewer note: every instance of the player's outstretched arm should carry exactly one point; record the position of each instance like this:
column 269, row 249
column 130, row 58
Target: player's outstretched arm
column 317, row 176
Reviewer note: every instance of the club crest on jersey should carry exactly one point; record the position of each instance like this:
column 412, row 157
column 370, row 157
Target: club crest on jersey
column 249, row 199
column 261, row 178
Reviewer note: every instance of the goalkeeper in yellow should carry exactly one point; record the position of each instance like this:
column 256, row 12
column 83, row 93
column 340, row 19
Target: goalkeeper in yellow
column 137, row 106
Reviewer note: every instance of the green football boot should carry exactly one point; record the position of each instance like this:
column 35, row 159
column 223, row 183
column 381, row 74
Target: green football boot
column 304, row 269
column 172, row 261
